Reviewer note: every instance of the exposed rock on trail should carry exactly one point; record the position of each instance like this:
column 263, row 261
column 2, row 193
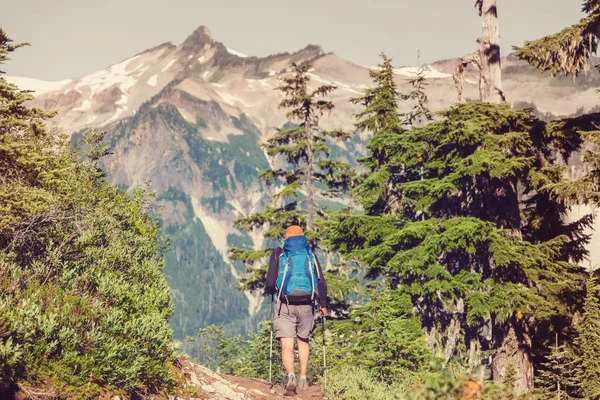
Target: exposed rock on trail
column 225, row 387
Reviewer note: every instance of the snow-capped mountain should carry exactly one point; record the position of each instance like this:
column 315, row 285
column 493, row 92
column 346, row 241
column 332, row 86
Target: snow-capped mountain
column 190, row 119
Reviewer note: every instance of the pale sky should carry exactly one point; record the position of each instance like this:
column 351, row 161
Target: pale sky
column 72, row 38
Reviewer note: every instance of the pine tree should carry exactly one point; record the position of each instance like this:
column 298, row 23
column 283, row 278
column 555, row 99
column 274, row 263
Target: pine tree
column 552, row 380
column 588, row 344
column 476, row 256
column 420, row 113
column 25, row 144
column 380, row 118
column 302, row 151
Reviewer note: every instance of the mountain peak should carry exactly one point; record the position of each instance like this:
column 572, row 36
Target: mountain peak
column 198, row 39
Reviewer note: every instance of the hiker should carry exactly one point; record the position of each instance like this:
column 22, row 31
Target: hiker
column 295, row 276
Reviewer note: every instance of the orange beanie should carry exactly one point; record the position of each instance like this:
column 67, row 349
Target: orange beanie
column 293, row 230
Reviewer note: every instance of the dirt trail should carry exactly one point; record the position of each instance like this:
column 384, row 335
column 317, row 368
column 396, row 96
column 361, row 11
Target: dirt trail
column 225, row 387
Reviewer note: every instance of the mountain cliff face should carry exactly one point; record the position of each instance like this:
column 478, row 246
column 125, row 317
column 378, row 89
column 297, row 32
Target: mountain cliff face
column 189, row 118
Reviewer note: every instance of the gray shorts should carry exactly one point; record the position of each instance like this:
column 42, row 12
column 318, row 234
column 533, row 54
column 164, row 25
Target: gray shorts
column 292, row 321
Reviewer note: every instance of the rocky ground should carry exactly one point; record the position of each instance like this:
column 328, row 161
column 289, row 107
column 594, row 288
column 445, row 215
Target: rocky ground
column 224, row 387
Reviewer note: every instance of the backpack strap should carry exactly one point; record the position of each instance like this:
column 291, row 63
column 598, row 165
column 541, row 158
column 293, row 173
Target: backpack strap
column 312, row 275
column 285, row 271
column 314, row 262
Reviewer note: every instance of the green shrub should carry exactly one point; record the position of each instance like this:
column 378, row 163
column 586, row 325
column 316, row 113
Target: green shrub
column 89, row 305
column 84, row 305
column 356, row 383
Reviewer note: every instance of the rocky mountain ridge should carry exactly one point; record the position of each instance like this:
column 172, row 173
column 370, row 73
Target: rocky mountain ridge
column 190, row 118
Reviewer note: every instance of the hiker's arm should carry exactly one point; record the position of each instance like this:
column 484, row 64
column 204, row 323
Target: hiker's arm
column 321, row 285
column 272, row 272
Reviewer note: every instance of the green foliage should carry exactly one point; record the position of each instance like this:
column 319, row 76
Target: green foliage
column 569, row 50
column 383, row 337
column 355, row 383
column 301, row 151
column 379, row 117
column 469, row 230
column 84, row 305
column 587, row 345
column 556, row 376
column 420, row 114
column 83, row 294
column 248, row 356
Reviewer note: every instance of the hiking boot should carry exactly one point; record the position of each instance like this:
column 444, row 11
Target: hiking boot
column 290, row 387
column 303, row 384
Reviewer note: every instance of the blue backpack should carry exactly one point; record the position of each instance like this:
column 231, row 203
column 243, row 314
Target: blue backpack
column 297, row 279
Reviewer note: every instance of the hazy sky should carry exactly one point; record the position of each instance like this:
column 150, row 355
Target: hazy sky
column 71, row 38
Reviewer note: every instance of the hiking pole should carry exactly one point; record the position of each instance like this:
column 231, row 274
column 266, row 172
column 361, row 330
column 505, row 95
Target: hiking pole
column 271, row 347
column 324, row 359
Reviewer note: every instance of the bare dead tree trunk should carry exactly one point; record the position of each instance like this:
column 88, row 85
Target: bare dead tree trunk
column 516, row 351
column 459, row 78
column 310, row 189
column 491, row 70
column 486, row 59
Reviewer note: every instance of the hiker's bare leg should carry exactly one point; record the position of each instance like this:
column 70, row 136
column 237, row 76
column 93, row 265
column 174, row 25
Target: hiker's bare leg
column 303, row 355
column 287, row 354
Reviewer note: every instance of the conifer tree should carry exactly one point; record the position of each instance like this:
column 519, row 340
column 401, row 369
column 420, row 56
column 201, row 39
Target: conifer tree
column 420, row 113
column 477, row 256
column 380, row 118
column 588, row 344
column 25, row 144
column 301, row 152
column 553, row 380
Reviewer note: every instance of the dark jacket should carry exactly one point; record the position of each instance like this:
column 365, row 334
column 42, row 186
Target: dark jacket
column 274, row 271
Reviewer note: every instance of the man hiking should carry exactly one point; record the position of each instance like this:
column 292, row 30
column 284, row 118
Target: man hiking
column 295, row 277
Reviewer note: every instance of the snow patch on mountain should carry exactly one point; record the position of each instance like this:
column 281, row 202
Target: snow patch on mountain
column 236, row 53
column 429, row 72
column 232, row 100
column 262, row 82
column 340, row 85
column 37, row 85
column 117, row 74
column 169, row 65
column 153, row 80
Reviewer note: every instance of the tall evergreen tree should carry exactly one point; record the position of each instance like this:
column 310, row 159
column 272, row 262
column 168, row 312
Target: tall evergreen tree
column 25, row 144
column 382, row 335
column 477, row 266
column 588, row 344
column 305, row 170
column 380, row 118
